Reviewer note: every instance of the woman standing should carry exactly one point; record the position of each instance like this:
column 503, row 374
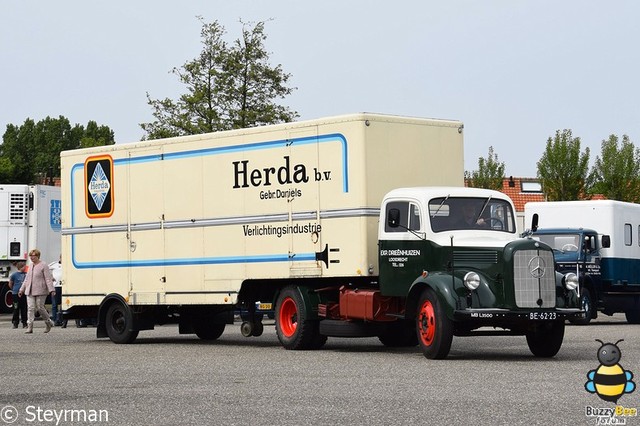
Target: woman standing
column 37, row 284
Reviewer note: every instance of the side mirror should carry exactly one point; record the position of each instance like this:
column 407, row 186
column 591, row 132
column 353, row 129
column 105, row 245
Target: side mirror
column 534, row 222
column 606, row 241
column 393, row 218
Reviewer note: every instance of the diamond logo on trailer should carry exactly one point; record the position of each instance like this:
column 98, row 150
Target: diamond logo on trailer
column 98, row 179
column 99, row 186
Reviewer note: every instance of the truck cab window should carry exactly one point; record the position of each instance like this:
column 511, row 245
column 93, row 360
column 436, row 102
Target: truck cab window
column 409, row 216
column 414, row 218
column 466, row 213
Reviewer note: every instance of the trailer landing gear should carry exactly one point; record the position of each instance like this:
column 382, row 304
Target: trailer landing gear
column 250, row 328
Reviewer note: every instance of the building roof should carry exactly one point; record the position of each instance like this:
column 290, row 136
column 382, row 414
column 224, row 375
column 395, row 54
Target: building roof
column 513, row 187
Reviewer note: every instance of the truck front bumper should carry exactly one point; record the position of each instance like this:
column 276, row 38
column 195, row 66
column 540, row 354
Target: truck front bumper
column 498, row 315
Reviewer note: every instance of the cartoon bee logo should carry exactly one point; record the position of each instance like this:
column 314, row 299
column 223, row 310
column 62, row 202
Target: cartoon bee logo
column 610, row 381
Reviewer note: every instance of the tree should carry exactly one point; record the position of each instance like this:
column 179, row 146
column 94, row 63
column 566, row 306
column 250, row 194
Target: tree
column 563, row 169
column 228, row 87
column 30, row 153
column 616, row 174
column 490, row 173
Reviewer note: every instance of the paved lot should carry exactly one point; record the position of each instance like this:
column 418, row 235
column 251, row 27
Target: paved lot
column 168, row 379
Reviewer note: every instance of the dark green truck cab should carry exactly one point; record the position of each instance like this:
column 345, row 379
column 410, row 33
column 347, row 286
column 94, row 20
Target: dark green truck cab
column 454, row 255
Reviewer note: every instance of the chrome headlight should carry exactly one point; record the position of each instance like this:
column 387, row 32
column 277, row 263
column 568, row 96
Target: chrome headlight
column 471, row 280
column 571, row 281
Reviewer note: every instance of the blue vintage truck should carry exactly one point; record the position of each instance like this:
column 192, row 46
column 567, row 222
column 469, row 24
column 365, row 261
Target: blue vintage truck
column 599, row 240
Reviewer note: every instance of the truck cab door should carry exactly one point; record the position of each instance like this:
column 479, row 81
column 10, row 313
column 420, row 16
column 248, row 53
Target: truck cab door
column 401, row 246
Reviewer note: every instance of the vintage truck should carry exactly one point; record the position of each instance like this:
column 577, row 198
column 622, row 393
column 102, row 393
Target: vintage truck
column 599, row 240
column 328, row 222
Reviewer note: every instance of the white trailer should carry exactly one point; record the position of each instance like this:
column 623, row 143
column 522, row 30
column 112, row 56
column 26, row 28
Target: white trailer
column 30, row 218
column 191, row 230
column 600, row 239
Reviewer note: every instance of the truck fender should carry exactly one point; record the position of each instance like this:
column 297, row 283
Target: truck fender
column 441, row 284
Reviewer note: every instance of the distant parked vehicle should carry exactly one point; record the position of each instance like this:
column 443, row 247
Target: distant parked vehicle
column 599, row 240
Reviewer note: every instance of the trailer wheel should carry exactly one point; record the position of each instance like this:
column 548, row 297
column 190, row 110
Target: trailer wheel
column 208, row 331
column 119, row 324
column 587, row 305
column 6, row 299
column 545, row 339
column 294, row 328
column 434, row 328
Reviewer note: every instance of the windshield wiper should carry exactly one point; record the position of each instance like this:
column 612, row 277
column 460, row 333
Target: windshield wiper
column 484, row 206
column 440, row 206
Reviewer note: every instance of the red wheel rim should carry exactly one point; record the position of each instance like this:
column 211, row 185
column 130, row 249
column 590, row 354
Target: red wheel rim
column 427, row 323
column 288, row 317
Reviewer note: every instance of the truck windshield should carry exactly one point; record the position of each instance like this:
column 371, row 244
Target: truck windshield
column 456, row 213
column 560, row 242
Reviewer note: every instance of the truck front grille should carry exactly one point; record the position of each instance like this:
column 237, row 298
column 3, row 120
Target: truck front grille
column 534, row 279
column 467, row 257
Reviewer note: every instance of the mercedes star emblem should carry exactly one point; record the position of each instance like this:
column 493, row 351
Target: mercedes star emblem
column 537, row 267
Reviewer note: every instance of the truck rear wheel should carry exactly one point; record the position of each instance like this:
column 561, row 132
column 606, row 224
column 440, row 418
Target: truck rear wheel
column 587, row 305
column 294, row 328
column 434, row 328
column 545, row 339
column 119, row 324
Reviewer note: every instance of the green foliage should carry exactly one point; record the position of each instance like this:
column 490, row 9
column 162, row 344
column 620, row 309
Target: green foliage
column 490, row 173
column 616, row 173
column 563, row 169
column 30, row 153
column 228, row 87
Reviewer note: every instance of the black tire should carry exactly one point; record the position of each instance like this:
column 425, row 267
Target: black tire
column 587, row 304
column 399, row 334
column 6, row 299
column 434, row 329
column 633, row 316
column 295, row 330
column 207, row 330
column 119, row 324
column 546, row 338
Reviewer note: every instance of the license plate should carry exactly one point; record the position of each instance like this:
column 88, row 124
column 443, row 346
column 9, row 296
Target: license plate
column 264, row 306
column 544, row 316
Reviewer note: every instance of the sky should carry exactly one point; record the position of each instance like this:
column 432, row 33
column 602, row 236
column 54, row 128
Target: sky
column 514, row 72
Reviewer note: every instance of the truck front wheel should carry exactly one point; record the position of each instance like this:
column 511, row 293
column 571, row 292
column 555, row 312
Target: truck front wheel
column 294, row 328
column 434, row 328
column 119, row 324
column 587, row 306
column 545, row 339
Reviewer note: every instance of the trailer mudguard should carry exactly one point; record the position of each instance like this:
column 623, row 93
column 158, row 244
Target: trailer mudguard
column 310, row 297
